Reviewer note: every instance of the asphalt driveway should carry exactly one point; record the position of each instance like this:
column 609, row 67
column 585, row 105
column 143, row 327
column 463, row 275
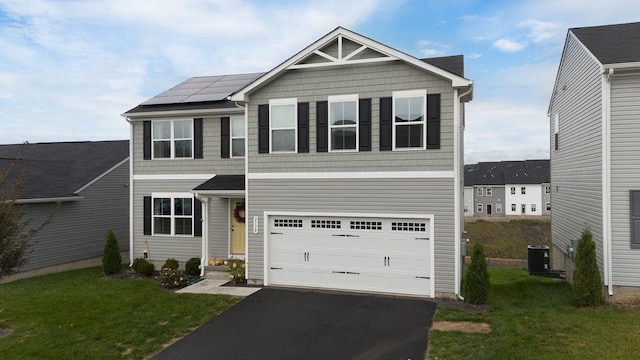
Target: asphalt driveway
column 299, row 324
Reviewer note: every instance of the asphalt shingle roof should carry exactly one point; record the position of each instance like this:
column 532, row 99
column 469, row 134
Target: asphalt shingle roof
column 612, row 44
column 59, row 169
column 223, row 182
column 507, row 172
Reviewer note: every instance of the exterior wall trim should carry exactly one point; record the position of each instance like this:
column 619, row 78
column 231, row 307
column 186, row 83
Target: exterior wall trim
column 356, row 175
column 174, row 177
column 607, row 266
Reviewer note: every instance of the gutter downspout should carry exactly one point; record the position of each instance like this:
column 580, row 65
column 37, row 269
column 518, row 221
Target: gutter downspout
column 458, row 153
column 131, row 161
column 606, row 180
column 205, row 232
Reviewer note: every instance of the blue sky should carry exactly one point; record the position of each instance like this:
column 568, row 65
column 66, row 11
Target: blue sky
column 68, row 69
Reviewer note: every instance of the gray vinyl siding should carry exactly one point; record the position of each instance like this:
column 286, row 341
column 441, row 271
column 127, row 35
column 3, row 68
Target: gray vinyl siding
column 219, row 228
column 211, row 163
column 625, row 175
column 161, row 248
column 497, row 197
column 382, row 196
column 576, row 167
column 78, row 229
column 368, row 81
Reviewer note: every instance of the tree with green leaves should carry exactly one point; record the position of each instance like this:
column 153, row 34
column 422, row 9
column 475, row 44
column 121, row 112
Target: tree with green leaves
column 476, row 280
column 16, row 232
column 587, row 284
column 111, row 258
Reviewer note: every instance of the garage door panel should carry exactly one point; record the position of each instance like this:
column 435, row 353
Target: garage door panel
column 351, row 253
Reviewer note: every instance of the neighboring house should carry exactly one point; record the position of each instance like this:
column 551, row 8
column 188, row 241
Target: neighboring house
column 508, row 188
column 90, row 180
column 595, row 168
column 340, row 168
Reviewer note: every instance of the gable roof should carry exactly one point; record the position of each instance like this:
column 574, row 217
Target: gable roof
column 611, row 44
column 57, row 170
column 376, row 52
column 507, row 172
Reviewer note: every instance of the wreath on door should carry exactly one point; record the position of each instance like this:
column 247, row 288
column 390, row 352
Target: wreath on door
column 238, row 213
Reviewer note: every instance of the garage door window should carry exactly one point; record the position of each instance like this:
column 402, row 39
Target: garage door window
column 408, row 226
column 326, row 224
column 366, row 225
column 289, row 223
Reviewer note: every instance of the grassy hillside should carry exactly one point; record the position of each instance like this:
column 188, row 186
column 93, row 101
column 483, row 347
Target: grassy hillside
column 506, row 238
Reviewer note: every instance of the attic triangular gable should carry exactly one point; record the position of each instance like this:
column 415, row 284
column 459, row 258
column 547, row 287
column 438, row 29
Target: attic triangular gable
column 344, row 47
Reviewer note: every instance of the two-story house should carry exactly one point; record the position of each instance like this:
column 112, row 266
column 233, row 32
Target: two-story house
column 594, row 116
column 340, row 168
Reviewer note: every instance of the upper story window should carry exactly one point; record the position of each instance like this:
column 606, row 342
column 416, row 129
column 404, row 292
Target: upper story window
column 172, row 139
column 343, row 122
column 523, row 190
column 172, row 215
column 282, row 125
column 409, row 121
column 489, row 191
column 513, row 190
column 480, row 191
column 547, row 189
column 237, row 136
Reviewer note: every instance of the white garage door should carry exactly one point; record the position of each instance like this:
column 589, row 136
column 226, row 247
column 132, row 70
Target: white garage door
column 392, row 255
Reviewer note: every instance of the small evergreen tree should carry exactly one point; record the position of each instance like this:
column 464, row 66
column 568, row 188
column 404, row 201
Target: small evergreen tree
column 476, row 282
column 192, row 267
column 172, row 264
column 587, row 284
column 111, row 258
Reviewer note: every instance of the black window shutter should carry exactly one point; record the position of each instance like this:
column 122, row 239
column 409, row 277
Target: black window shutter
column 197, row 217
column 147, row 215
column 303, row 127
column 556, row 140
column 635, row 219
column 433, row 121
column 147, row 140
column 263, row 129
column 197, row 138
column 364, row 124
column 322, row 126
column 225, row 137
column 386, row 123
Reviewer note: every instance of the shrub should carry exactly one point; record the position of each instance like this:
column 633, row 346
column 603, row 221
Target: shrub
column 236, row 271
column 476, row 282
column 143, row 267
column 111, row 258
column 171, row 264
column 173, row 278
column 587, row 285
column 192, row 267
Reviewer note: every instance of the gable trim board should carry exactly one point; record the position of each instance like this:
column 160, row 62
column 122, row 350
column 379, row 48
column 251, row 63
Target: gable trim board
column 339, row 33
column 103, row 175
column 49, row 200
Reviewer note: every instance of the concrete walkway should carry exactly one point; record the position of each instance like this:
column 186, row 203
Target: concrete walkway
column 214, row 286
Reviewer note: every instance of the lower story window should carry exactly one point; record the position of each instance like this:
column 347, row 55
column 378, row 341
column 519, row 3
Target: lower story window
column 480, row 208
column 513, row 207
column 172, row 216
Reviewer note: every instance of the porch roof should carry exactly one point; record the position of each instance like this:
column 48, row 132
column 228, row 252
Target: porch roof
column 221, row 185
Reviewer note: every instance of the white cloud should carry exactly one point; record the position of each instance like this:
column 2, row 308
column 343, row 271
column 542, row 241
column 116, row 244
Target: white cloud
column 507, row 45
column 432, row 49
column 540, row 30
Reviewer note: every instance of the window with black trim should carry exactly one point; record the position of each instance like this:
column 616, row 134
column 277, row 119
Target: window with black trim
column 635, row 218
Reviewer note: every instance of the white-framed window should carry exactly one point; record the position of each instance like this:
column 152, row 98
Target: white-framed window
column 343, row 122
column 533, row 207
column 172, row 214
column 409, row 119
column 513, row 190
column 237, row 136
column 480, row 191
column 523, row 190
column 499, row 208
column 466, row 208
column 172, row 139
column 548, row 205
column 513, row 207
column 547, row 189
column 480, row 208
column 283, row 129
column 489, row 191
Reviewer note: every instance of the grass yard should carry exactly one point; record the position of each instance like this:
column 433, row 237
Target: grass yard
column 532, row 318
column 508, row 239
column 81, row 315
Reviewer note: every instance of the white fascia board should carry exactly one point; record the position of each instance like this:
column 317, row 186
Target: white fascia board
column 174, row 177
column 103, row 175
column 199, row 112
column 355, row 175
column 623, row 66
column 49, row 200
column 220, row 193
column 456, row 80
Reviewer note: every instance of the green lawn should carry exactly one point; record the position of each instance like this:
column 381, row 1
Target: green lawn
column 81, row 315
column 532, row 318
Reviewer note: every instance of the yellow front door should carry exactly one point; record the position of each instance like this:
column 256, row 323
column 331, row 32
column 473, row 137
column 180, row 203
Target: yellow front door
column 237, row 226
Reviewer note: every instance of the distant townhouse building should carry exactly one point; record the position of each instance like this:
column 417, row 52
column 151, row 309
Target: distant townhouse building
column 507, row 188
